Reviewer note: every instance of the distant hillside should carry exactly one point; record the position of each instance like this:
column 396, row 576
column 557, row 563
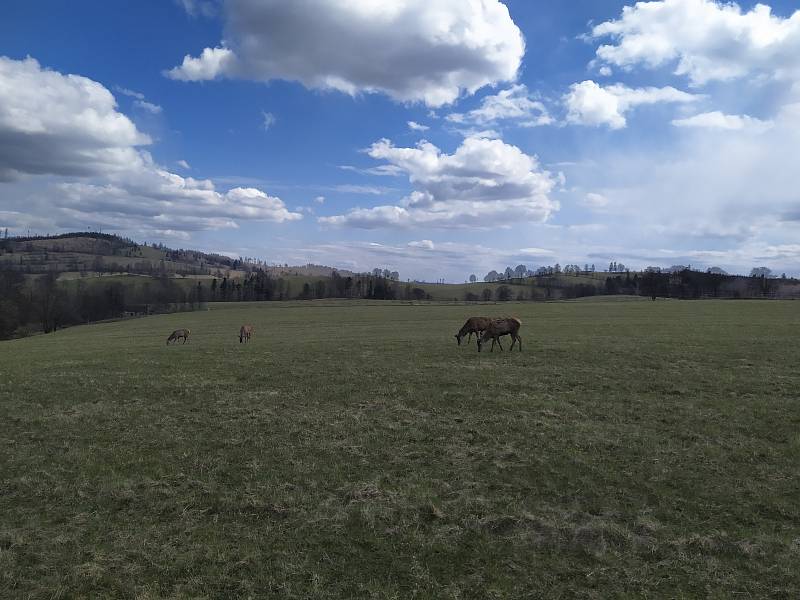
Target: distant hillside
column 93, row 253
column 89, row 253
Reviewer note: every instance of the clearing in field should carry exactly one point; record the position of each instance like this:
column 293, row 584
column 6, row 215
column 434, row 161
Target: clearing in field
column 354, row 450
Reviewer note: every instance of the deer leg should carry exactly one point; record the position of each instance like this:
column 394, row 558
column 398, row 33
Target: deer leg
column 519, row 339
column 499, row 344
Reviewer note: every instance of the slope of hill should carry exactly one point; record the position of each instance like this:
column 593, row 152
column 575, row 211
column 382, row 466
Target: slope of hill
column 88, row 252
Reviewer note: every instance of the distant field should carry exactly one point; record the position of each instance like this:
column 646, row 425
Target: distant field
column 352, row 450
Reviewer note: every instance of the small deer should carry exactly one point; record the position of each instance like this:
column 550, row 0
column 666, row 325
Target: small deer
column 473, row 325
column 179, row 333
column 497, row 328
column 244, row 333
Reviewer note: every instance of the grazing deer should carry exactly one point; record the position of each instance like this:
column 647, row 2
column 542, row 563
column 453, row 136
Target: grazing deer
column 179, row 333
column 497, row 328
column 245, row 332
column 474, row 325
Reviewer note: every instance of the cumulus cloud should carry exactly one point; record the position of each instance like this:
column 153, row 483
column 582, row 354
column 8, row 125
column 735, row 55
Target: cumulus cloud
column 147, row 196
column 209, row 65
column 719, row 120
column 416, row 50
column 589, row 103
column 60, row 124
column 514, row 103
column 183, row 165
column 708, row 40
column 76, row 160
column 484, row 183
column 414, row 126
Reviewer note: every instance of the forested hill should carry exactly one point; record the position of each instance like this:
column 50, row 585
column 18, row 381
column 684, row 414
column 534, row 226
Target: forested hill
column 90, row 253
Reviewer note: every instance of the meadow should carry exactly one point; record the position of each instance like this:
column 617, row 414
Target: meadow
column 353, row 450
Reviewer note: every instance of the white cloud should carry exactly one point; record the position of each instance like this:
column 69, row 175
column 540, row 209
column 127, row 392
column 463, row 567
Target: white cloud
column 183, row 164
column 380, row 170
column 589, row 103
column 414, row 126
column 708, row 40
column 719, row 120
column 537, row 252
column 320, row 199
column 60, row 124
column 196, row 8
column 169, row 234
column 594, row 200
column 368, row 190
column 148, row 196
column 71, row 159
column 130, row 93
column 485, row 183
column 269, row 120
column 140, row 100
column 473, row 132
column 416, row 50
column 424, row 244
column 511, row 104
column 154, row 109
column 209, row 65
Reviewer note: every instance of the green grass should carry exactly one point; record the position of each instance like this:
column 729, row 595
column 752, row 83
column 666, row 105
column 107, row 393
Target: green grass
column 352, row 450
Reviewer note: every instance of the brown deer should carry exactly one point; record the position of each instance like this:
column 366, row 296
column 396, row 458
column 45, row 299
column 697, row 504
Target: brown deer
column 244, row 333
column 497, row 328
column 179, row 333
column 473, row 325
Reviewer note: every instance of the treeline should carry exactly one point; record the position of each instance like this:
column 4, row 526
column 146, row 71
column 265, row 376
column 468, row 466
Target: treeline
column 260, row 286
column 549, row 284
column 31, row 304
column 522, row 271
column 689, row 284
column 44, row 304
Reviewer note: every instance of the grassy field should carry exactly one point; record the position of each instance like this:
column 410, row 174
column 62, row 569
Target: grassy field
column 352, row 450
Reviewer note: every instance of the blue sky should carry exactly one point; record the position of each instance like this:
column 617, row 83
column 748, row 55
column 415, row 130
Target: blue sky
column 433, row 137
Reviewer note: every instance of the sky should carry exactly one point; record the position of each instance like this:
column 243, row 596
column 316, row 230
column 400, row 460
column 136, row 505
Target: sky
column 437, row 138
